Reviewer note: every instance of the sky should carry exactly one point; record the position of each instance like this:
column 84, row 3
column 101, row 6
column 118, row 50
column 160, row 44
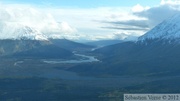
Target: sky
column 85, row 20
column 86, row 3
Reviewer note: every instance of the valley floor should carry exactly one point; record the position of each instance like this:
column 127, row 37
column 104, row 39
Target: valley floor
column 35, row 80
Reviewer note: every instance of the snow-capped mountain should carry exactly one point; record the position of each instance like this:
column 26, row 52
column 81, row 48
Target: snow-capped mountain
column 22, row 41
column 30, row 34
column 155, row 53
column 168, row 29
column 15, row 31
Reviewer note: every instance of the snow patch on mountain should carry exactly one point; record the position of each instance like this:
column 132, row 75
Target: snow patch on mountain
column 17, row 31
column 29, row 33
column 168, row 29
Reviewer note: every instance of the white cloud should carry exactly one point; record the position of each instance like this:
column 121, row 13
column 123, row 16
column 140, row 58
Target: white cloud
column 170, row 2
column 140, row 18
column 125, row 36
column 157, row 14
column 13, row 17
column 89, row 22
column 139, row 8
column 70, row 23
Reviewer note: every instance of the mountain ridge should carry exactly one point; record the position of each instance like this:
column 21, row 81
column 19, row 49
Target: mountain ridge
column 169, row 29
column 151, row 55
column 27, row 48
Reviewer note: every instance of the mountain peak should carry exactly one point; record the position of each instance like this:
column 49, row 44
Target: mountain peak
column 168, row 29
column 30, row 33
column 16, row 31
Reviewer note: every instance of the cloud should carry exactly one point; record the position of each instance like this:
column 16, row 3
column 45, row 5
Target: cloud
column 70, row 23
column 14, row 17
column 134, row 24
column 126, row 28
column 141, row 19
column 127, row 22
column 103, row 22
column 170, row 2
column 157, row 14
column 125, row 36
column 87, row 23
column 139, row 8
column 90, row 21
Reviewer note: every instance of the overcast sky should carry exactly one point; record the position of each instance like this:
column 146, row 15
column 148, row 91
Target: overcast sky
column 86, row 19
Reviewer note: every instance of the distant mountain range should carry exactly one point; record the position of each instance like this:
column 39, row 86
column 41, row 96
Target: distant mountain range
column 71, row 45
column 31, row 49
column 25, row 41
column 155, row 53
column 102, row 43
